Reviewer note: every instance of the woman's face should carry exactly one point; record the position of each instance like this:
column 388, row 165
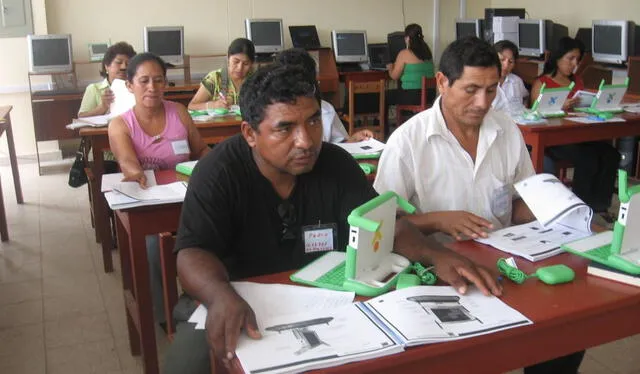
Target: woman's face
column 148, row 84
column 568, row 63
column 239, row 65
column 117, row 68
column 507, row 61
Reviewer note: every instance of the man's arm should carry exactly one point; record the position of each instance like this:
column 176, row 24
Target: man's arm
column 449, row 266
column 521, row 213
column 457, row 223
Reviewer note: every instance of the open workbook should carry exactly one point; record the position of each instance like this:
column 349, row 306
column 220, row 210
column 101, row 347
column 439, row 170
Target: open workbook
column 561, row 217
column 123, row 195
column 317, row 334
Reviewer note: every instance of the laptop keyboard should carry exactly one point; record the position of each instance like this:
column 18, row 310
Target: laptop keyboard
column 334, row 276
column 600, row 252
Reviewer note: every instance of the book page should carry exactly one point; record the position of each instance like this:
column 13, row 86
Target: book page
column 115, row 179
column 364, row 147
column 430, row 314
column 168, row 192
column 550, row 200
column 123, row 99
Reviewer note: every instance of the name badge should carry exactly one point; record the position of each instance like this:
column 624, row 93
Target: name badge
column 319, row 238
column 180, row 147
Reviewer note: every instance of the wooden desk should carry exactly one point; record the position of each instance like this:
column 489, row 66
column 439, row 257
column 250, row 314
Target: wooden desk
column 5, row 127
column 562, row 131
column 588, row 312
column 212, row 132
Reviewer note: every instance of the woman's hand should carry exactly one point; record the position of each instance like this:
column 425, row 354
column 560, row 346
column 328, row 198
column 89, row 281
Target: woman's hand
column 570, row 103
column 138, row 177
column 107, row 98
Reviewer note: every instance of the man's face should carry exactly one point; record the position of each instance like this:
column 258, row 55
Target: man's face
column 468, row 100
column 290, row 136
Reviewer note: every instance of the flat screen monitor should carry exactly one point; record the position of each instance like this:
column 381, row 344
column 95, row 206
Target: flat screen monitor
column 304, row 37
column 378, row 55
column 166, row 42
column 531, row 37
column 50, row 54
column 266, row 34
column 349, row 45
column 610, row 41
column 468, row 27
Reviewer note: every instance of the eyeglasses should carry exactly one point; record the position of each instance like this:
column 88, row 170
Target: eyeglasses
column 287, row 213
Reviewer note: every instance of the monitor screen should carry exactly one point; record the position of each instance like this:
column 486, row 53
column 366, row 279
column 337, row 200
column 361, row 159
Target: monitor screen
column 529, row 35
column 378, row 54
column 607, row 39
column 164, row 42
column 48, row 52
column 304, row 37
column 465, row 29
column 351, row 44
column 265, row 33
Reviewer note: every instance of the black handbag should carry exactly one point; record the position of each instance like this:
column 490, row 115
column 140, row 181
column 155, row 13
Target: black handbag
column 77, row 175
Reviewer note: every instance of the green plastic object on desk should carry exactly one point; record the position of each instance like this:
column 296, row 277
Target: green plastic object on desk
column 554, row 274
column 367, row 168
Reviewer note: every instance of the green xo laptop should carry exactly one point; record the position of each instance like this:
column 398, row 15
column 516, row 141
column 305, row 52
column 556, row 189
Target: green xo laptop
column 608, row 99
column 550, row 101
column 369, row 267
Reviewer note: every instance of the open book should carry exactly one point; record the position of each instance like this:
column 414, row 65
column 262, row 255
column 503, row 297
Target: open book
column 561, row 217
column 313, row 334
column 130, row 195
column 370, row 148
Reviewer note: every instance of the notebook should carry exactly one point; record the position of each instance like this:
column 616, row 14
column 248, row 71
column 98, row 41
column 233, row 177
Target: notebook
column 620, row 248
column 368, row 267
column 550, row 101
column 608, row 99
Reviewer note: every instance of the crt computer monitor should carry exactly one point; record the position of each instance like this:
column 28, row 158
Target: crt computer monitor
column 468, row 27
column 50, row 54
column 304, row 37
column 350, row 45
column 396, row 43
column 266, row 35
column 532, row 37
column 166, row 42
column 612, row 41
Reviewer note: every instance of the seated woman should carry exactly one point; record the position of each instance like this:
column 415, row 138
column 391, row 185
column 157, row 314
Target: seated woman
column 97, row 96
column 512, row 94
column 595, row 163
column 412, row 63
column 221, row 88
column 333, row 130
column 155, row 134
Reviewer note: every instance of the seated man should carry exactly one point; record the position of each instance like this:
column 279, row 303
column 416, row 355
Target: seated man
column 251, row 200
column 333, row 130
column 457, row 161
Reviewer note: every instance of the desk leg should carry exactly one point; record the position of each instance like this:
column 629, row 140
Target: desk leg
column 101, row 210
column 537, row 153
column 127, row 286
column 4, row 231
column 142, row 294
column 14, row 162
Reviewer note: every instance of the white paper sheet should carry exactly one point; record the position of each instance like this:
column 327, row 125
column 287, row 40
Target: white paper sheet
column 123, row 99
column 115, row 179
column 594, row 120
column 364, row 147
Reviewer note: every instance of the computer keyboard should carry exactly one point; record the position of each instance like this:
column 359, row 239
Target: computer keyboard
column 600, row 252
column 334, row 276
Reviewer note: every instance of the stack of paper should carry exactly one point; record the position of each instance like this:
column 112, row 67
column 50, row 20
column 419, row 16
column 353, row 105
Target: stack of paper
column 93, row 121
column 123, row 195
column 561, row 217
column 369, row 148
column 109, row 181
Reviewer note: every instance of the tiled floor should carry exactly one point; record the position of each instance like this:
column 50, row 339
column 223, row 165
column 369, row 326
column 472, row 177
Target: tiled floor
column 60, row 313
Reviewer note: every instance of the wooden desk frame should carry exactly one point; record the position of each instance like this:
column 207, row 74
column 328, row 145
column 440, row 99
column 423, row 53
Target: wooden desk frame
column 5, row 127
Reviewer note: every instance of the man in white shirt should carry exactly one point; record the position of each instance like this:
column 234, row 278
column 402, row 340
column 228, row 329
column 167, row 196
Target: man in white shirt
column 333, row 130
column 511, row 93
column 457, row 161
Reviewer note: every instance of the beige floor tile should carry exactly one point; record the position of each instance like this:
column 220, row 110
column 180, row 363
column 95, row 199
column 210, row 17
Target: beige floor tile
column 29, row 364
column 620, row 356
column 128, row 362
column 118, row 321
column 24, row 313
column 28, row 338
column 20, row 272
column 76, row 330
column 64, row 306
column 79, row 285
column 64, row 264
column 66, row 242
column 13, row 293
column 88, row 358
column 19, row 251
column 592, row 366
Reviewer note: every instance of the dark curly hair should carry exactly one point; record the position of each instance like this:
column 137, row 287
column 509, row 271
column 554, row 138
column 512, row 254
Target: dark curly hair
column 297, row 57
column 139, row 59
column 469, row 51
column 120, row 48
column 274, row 84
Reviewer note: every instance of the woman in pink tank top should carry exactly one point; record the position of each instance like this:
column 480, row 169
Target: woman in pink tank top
column 155, row 134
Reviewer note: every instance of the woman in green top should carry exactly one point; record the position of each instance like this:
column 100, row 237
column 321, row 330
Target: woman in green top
column 412, row 63
column 220, row 88
column 97, row 96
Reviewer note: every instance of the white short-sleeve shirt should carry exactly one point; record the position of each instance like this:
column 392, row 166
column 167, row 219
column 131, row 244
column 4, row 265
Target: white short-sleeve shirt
column 424, row 163
column 333, row 130
column 510, row 95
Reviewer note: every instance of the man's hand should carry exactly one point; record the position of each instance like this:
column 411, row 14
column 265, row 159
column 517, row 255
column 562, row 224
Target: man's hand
column 458, row 270
column 226, row 317
column 458, row 223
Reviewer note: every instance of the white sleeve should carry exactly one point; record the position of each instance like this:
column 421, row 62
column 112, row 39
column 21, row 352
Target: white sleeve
column 523, row 90
column 500, row 102
column 333, row 130
column 525, row 166
column 338, row 132
column 395, row 172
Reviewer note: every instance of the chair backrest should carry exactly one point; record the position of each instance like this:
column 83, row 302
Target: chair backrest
column 426, row 84
column 356, row 87
column 633, row 72
column 594, row 74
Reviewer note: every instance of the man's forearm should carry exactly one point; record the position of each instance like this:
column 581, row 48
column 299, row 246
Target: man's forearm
column 201, row 273
column 411, row 243
column 521, row 213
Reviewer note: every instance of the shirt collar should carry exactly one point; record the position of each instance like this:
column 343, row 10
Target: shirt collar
column 488, row 127
column 102, row 85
